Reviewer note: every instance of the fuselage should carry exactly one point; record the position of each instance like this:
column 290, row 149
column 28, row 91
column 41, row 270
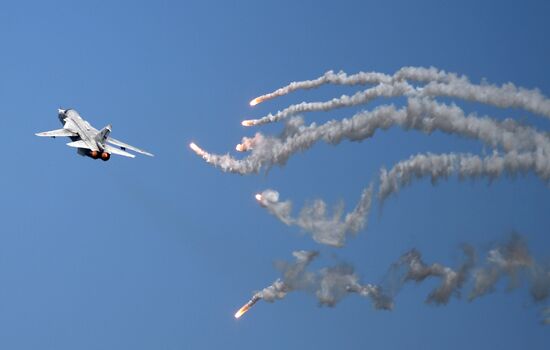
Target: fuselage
column 86, row 132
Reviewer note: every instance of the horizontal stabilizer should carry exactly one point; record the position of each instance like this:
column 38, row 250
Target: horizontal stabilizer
column 80, row 144
column 57, row 133
column 114, row 150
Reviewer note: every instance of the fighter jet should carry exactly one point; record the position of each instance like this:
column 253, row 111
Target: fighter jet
column 89, row 141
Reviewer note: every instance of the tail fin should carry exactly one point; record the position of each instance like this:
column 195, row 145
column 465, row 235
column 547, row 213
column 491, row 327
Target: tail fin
column 101, row 137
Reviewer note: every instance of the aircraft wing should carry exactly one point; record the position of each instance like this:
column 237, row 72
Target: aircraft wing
column 81, row 144
column 123, row 146
column 57, row 133
column 114, row 150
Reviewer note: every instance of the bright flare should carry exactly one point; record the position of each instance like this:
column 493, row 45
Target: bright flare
column 247, row 306
column 239, row 148
column 242, row 311
column 249, row 122
column 258, row 197
column 255, row 101
column 197, row 149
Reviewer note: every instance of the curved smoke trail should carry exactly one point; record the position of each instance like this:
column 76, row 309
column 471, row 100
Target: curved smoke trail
column 437, row 166
column 509, row 260
column 419, row 114
column 517, row 148
column 439, row 83
column 419, row 74
column 324, row 228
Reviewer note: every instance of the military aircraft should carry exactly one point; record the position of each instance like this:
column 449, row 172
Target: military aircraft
column 88, row 140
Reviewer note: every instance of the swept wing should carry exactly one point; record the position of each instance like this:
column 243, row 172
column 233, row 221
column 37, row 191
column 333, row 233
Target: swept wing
column 82, row 144
column 125, row 146
column 57, row 133
column 114, row 150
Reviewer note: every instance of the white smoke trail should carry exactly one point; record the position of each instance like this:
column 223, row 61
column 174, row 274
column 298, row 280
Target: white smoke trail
column 277, row 290
column 337, row 282
column 269, row 199
column 295, row 277
column 517, row 149
column 324, row 228
column 421, row 114
column 439, row 83
column 464, row 165
column 451, row 280
column 425, row 115
column 511, row 260
column 359, row 98
column 362, row 78
column 340, row 78
column 506, row 96
column 332, row 284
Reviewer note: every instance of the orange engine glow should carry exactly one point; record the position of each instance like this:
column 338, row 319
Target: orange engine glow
column 105, row 156
column 94, row 154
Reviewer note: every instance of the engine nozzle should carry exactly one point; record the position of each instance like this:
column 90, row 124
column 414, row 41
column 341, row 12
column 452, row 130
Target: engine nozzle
column 94, row 154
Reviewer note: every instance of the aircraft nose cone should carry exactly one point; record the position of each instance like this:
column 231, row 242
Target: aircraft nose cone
column 61, row 111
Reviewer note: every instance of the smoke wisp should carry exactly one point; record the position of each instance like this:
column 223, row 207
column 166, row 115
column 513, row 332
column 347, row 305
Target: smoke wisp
column 509, row 260
column 420, row 114
column 438, row 83
column 314, row 218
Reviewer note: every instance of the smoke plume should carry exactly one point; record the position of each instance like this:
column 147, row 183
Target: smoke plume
column 513, row 261
column 465, row 166
column 439, row 83
column 510, row 259
column 295, row 277
column 517, row 149
column 420, row 114
column 337, row 282
column 330, row 229
column 451, row 280
column 329, row 285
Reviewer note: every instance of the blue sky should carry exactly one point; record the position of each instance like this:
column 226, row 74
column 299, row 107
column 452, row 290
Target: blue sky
column 160, row 252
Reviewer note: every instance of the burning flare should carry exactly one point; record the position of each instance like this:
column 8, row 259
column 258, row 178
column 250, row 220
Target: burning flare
column 247, row 306
column 198, row 150
column 242, row 311
column 258, row 197
column 250, row 122
column 256, row 101
column 248, row 143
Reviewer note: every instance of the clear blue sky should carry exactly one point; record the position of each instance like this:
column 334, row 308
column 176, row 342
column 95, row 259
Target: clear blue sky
column 158, row 253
